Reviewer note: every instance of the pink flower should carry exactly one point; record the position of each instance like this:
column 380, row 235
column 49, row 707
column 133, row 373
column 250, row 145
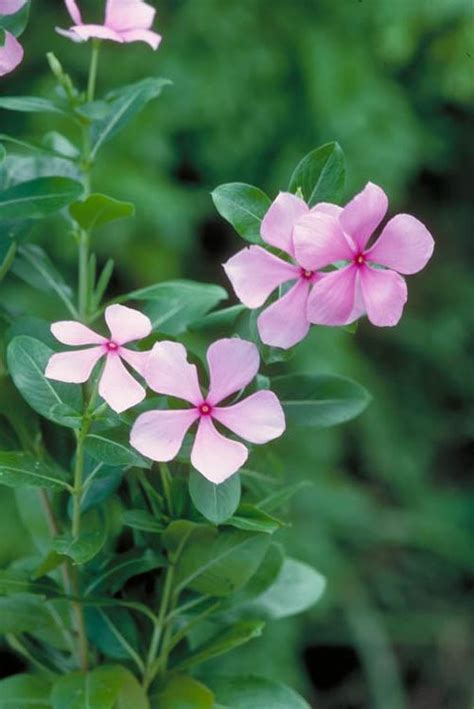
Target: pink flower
column 125, row 21
column 233, row 363
column 117, row 387
column 404, row 246
column 11, row 54
column 255, row 273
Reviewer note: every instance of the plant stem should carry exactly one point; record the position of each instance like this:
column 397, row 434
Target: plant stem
column 166, row 482
column 83, row 275
column 8, row 260
column 93, row 70
column 159, row 627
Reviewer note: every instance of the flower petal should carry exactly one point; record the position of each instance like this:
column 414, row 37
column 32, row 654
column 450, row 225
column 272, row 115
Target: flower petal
column 117, row 386
column 85, row 32
column 74, row 11
column 233, row 363
column 385, row 294
column 405, row 245
column 332, row 300
column 278, row 222
column 11, row 7
column 153, row 39
column 70, row 332
column 215, row 456
column 255, row 273
column 11, row 54
column 74, row 367
column 159, row 434
column 327, row 208
column 363, row 214
column 284, row 323
column 126, row 324
column 169, row 372
column 137, row 360
column 259, row 418
column 122, row 15
column 320, row 241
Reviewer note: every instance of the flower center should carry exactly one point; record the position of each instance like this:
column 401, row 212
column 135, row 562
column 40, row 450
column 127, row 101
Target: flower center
column 111, row 346
column 304, row 273
column 359, row 259
column 205, row 409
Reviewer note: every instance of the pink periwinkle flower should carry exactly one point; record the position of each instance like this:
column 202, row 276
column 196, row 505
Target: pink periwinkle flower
column 125, row 21
column 11, row 52
column 233, row 363
column 370, row 281
column 255, row 273
column 116, row 386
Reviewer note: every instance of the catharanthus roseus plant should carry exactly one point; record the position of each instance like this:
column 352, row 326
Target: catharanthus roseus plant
column 140, row 426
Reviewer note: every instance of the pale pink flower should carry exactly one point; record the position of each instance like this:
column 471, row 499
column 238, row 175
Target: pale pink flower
column 116, row 386
column 255, row 273
column 233, row 363
column 404, row 247
column 11, row 7
column 125, row 21
column 11, row 54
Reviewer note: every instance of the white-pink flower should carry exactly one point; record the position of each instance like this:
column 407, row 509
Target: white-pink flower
column 125, row 21
column 233, row 363
column 255, row 273
column 11, row 51
column 116, row 386
column 370, row 282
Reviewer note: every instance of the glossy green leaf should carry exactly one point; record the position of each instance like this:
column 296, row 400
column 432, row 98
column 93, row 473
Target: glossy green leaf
column 106, row 687
column 296, row 589
column 18, row 469
column 13, row 582
column 218, row 563
column 174, row 305
column 264, row 577
column 251, row 518
column 34, row 266
column 100, row 481
column 24, row 690
column 243, row 206
column 113, row 631
column 256, row 692
column 142, row 521
column 112, row 447
column 29, row 104
column 99, row 209
column 319, row 400
column 279, row 498
column 215, row 502
column 123, row 567
column 38, row 198
column 89, row 543
column 182, row 692
column 23, row 613
column 124, row 104
column 27, row 359
column 239, row 634
column 320, row 175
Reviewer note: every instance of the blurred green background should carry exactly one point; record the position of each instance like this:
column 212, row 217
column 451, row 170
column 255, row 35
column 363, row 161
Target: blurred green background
column 257, row 84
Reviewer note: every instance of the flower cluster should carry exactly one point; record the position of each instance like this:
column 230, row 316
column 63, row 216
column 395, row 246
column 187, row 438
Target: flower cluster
column 364, row 280
column 233, row 364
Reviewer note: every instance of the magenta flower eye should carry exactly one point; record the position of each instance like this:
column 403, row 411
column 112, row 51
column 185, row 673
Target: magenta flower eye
column 233, row 363
column 116, row 386
column 125, row 21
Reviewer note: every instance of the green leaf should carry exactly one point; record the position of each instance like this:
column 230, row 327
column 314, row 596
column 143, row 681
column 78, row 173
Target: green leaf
column 174, row 305
column 33, row 266
column 320, row 175
column 22, row 691
column 182, row 692
column 113, row 448
column 16, row 22
column 23, row 613
column 239, row 634
column 18, row 469
column 106, row 687
column 123, row 567
column 297, row 587
column 219, row 563
column 29, row 104
column 215, row 502
column 264, row 577
column 27, row 359
column 91, row 540
column 14, row 582
column 38, row 198
column 251, row 518
column 220, row 319
column 142, row 520
column 243, row 206
column 99, row 209
column 280, row 497
column 101, row 481
column 320, row 400
column 125, row 104
column 113, row 632
column 256, row 692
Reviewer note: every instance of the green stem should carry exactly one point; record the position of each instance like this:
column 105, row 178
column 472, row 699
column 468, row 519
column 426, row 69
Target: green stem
column 159, row 627
column 93, row 70
column 8, row 260
column 166, row 482
column 83, row 275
